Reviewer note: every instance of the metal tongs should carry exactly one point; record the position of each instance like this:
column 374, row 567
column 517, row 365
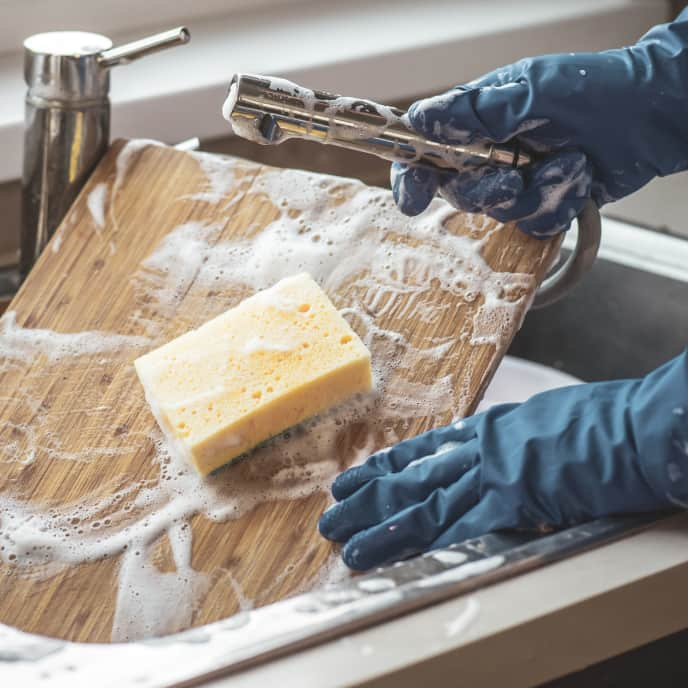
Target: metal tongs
column 269, row 111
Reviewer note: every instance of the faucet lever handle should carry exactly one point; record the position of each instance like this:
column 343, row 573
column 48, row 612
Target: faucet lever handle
column 124, row 54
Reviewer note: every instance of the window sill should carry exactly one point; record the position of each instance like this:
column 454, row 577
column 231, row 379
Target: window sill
column 387, row 51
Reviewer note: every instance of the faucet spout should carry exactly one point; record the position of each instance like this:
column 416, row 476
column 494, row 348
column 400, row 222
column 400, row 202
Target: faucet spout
column 124, row 54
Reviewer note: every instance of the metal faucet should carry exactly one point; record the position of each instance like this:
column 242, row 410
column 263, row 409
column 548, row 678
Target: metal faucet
column 67, row 126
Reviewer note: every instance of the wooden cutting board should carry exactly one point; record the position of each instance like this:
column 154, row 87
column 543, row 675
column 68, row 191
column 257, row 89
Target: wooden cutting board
column 159, row 241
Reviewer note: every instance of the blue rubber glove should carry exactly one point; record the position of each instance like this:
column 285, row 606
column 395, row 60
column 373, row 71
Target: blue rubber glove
column 560, row 458
column 604, row 124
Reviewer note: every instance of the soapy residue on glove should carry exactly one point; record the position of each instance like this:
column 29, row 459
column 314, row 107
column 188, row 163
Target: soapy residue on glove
column 377, row 266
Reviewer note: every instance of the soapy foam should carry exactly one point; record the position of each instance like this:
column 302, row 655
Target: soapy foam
column 345, row 249
column 367, row 257
column 131, row 519
column 458, row 625
column 170, row 271
column 65, row 227
column 352, row 245
column 448, row 557
column 150, row 602
column 220, row 177
column 169, row 597
column 230, row 101
column 563, row 183
column 96, row 204
column 376, row 584
column 24, row 343
column 122, row 166
column 460, row 573
column 442, row 449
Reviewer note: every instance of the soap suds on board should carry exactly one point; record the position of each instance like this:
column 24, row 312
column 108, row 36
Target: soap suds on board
column 24, row 343
column 96, row 204
column 372, row 262
column 219, row 174
column 169, row 596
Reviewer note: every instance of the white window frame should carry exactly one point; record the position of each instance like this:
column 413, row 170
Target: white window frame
column 22, row 18
column 382, row 49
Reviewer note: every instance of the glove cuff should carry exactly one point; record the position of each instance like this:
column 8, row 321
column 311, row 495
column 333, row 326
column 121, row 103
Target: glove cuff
column 659, row 417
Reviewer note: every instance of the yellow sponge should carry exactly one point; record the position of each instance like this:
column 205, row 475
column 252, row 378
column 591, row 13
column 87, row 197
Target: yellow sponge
column 277, row 358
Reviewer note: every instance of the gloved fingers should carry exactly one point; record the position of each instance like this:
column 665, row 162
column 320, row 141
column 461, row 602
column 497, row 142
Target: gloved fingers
column 489, row 111
column 414, row 529
column 488, row 515
column 397, row 458
column 413, row 187
column 389, row 495
column 497, row 77
column 480, row 189
column 556, row 190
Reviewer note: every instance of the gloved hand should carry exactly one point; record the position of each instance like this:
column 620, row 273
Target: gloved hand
column 560, row 458
column 603, row 123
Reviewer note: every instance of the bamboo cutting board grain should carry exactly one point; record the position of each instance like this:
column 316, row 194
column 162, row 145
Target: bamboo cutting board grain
column 74, row 426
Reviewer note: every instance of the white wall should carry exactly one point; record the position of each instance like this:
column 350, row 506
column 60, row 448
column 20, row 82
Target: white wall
column 662, row 204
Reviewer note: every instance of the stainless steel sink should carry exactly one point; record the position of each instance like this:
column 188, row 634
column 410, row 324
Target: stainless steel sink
column 621, row 321
column 626, row 318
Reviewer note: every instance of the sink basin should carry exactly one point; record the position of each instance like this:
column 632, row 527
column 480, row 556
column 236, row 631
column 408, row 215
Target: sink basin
column 624, row 319
column 517, row 380
column 627, row 317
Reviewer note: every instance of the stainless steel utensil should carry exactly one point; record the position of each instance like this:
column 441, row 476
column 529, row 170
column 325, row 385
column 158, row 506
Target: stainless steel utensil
column 269, row 110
